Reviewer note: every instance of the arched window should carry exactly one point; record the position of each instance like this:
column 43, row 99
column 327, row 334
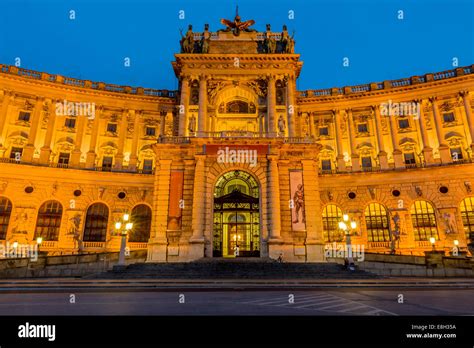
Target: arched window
column 332, row 214
column 377, row 222
column 467, row 214
column 95, row 229
column 424, row 220
column 141, row 218
column 5, row 213
column 49, row 220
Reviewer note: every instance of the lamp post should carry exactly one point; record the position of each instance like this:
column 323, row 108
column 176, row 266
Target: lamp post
column 456, row 247
column 348, row 229
column 123, row 227
column 39, row 241
column 433, row 241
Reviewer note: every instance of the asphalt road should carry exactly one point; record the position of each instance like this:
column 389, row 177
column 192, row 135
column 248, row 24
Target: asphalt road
column 347, row 301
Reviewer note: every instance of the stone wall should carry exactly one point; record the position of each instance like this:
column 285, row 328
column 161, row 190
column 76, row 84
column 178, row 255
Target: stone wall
column 64, row 266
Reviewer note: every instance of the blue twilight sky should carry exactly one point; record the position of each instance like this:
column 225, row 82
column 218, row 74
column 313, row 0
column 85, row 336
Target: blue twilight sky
column 378, row 44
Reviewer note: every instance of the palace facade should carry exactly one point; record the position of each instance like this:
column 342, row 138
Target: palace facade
column 237, row 158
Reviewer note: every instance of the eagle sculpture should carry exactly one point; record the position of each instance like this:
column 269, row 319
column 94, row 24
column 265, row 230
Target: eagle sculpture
column 237, row 25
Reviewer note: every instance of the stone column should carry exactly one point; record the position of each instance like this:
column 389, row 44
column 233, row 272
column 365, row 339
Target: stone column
column 469, row 117
column 91, row 154
column 427, row 149
column 29, row 149
column 382, row 155
column 76, row 153
column 158, row 243
column 121, row 140
column 46, row 149
column 444, row 153
column 202, row 114
column 397, row 153
column 274, row 239
column 314, row 223
column 183, row 107
column 341, row 164
column 136, row 134
column 312, row 128
column 7, row 100
column 271, row 107
column 199, row 194
column 354, row 153
column 290, row 105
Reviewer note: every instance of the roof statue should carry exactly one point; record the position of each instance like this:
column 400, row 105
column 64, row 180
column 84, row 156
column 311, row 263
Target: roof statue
column 237, row 25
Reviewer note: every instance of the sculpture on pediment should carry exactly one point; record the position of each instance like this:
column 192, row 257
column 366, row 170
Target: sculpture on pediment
column 236, row 26
column 269, row 42
column 187, row 41
column 205, row 40
column 287, row 41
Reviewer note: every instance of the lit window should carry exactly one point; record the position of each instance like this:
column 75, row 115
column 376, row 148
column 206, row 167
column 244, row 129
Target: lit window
column 467, row 215
column 377, row 222
column 49, row 221
column 332, row 214
column 424, row 220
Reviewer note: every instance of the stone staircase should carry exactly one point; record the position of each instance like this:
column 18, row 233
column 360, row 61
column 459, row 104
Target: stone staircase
column 240, row 268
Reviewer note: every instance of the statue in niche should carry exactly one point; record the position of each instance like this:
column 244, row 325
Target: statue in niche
column 395, row 235
column 187, row 41
column 281, row 125
column 298, row 200
column 21, row 220
column 449, row 223
column 205, row 40
column 287, row 42
column 192, row 124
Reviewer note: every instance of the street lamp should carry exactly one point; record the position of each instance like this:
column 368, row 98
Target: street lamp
column 456, row 247
column 123, row 227
column 347, row 231
column 433, row 241
column 39, row 240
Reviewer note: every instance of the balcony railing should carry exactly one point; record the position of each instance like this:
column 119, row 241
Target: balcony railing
column 94, row 244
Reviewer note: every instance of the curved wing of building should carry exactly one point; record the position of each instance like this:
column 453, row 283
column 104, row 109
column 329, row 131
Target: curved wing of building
column 237, row 162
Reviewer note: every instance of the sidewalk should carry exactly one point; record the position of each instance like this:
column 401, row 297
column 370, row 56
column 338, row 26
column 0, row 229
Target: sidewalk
column 62, row 284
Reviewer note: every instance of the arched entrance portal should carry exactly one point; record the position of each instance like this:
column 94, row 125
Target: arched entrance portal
column 236, row 216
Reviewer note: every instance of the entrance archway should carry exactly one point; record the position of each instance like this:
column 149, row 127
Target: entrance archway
column 236, row 225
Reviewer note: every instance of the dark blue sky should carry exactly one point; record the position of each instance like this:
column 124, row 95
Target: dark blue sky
column 379, row 45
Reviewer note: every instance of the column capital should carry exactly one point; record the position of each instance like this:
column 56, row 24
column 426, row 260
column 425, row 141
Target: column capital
column 375, row 107
column 464, row 93
column 433, row 100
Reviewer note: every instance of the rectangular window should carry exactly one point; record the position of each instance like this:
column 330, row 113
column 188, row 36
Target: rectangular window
column 448, row 117
column 24, row 116
column 362, row 128
column 107, row 164
column 403, row 123
column 150, row 131
column 16, row 153
column 147, row 166
column 409, row 158
column 366, row 162
column 323, row 131
column 63, row 158
column 456, row 153
column 112, row 127
column 326, row 164
column 70, row 123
